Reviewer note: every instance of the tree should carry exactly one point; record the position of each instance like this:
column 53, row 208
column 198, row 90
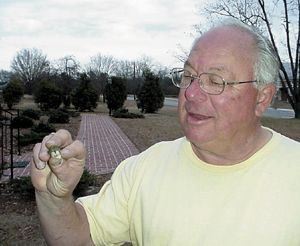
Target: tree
column 47, row 95
column 29, row 65
column 5, row 77
column 102, row 64
column 115, row 93
column 280, row 19
column 150, row 98
column 67, row 65
column 124, row 69
column 85, row 96
column 13, row 92
column 66, row 83
column 100, row 68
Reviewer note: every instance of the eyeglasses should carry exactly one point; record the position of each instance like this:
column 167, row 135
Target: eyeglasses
column 210, row 83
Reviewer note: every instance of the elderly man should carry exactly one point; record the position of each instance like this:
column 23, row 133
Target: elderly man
column 229, row 181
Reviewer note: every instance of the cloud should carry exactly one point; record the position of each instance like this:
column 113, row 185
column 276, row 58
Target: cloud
column 123, row 28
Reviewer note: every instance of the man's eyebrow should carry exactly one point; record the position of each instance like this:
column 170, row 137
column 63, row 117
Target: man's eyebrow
column 219, row 69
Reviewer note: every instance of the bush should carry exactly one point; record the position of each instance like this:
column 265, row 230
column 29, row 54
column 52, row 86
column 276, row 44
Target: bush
column 43, row 128
column 31, row 113
column 123, row 113
column 74, row 114
column 59, row 116
column 13, row 93
column 47, row 95
column 150, row 98
column 115, row 94
column 85, row 96
column 87, row 179
column 31, row 138
column 71, row 113
column 22, row 122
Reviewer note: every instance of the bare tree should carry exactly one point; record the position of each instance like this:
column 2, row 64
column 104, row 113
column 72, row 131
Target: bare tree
column 29, row 65
column 99, row 69
column 67, row 65
column 125, row 69
column 144, row 63
column 100, row 64
column 281, row 20
column 182, row 53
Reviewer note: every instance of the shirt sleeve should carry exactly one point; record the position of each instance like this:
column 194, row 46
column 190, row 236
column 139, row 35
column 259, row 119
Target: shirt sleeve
column 107, row 211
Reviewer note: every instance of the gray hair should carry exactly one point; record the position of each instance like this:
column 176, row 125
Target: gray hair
column 266, row 67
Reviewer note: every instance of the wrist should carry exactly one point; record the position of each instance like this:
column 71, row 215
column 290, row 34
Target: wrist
column 52, row 202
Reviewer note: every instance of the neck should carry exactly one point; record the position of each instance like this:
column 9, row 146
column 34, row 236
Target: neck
column 235, row 151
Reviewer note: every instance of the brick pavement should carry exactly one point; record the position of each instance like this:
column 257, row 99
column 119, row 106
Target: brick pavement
column 105, row 142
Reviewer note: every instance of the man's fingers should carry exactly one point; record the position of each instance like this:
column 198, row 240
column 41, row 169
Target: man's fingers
column 61, row 138
column 37, row 161
column 57, row 148
column 75, row 150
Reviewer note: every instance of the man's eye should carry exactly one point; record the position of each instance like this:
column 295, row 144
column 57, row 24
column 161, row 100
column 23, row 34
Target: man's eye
column 215, row 80
column 186, row 77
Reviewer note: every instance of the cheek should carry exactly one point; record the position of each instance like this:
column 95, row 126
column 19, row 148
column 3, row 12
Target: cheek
column 236, row 108
column 181, row 109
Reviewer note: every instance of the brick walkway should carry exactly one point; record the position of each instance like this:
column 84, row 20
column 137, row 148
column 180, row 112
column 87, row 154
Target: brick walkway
column 106, row 146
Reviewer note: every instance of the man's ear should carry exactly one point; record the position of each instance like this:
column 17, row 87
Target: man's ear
column 264, row 98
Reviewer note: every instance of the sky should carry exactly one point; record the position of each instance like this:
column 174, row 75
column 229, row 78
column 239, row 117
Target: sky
column 125, row 29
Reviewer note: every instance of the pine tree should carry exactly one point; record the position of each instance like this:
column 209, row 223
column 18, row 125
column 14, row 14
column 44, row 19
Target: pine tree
column 48, row 95
column 13, row 92
column 116, row 94
column 150, row 97
column 85, row 96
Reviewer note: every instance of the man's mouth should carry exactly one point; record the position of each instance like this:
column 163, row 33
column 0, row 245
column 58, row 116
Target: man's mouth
column 197, row 118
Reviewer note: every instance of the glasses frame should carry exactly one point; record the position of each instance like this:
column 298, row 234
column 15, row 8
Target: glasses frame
column 198, row 77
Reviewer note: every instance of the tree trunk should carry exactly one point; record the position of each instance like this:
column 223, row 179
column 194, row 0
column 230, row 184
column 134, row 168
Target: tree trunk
column 297, row 110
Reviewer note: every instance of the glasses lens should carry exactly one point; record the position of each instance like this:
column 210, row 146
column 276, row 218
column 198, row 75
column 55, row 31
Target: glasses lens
column 211, row 83
column 180, row 77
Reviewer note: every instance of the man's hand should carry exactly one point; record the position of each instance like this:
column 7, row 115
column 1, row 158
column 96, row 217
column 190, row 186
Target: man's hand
column 57, row 171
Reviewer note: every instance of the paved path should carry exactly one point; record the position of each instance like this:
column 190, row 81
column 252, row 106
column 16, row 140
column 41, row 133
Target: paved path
column 106, row 146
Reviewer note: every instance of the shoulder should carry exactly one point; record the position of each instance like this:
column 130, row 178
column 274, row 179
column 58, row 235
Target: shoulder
column 285, row 143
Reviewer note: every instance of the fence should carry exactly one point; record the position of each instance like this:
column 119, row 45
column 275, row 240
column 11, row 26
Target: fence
column 10, row 141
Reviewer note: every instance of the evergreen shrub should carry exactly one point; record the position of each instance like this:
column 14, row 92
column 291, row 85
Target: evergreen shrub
column 115, row 94
column 124, row 113
column 31, row 113
column 13, row 93
column 48, row 95
column 59, row 116
column 43, row 128
column 84, row 97
column 150, row 97
column 31, row 138
column 22, row 122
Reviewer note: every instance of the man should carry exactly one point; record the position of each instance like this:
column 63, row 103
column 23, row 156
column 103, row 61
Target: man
column 229, row 181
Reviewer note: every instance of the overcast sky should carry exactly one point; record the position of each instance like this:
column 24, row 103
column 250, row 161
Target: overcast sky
column 125, row 29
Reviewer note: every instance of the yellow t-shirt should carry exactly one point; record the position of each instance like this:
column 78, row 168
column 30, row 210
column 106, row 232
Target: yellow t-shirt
column 167, row 196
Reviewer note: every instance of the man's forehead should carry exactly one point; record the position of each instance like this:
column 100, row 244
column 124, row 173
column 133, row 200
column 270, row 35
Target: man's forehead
column 226, row 36
column 217, row 67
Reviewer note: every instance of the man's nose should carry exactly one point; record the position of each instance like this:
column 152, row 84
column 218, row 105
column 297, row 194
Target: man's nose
column 194, row 92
